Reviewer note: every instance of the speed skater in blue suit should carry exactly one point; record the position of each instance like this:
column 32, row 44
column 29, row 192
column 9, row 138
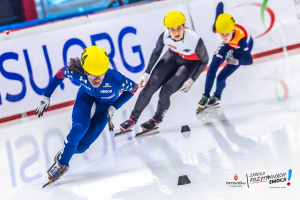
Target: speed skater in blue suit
column 99, row 86
column 235, row 50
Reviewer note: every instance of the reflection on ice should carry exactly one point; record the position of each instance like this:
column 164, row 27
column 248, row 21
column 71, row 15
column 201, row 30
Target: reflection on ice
column 226, row 140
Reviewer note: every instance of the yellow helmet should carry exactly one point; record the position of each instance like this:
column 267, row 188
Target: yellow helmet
column 225, row 23
column 95, row 60
column 174, row 19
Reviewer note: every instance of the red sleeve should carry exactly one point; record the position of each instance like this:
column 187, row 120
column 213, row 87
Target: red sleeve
column 61, row 73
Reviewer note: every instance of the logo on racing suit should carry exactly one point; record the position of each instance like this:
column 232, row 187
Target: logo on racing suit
column 172, row 46
column 108, row 97
column 106, row 91
column 85, row 86
column 106, row 85
column 81, row 79
column 187, row 50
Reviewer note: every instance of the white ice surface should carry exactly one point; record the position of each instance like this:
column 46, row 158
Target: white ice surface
column 252, row 131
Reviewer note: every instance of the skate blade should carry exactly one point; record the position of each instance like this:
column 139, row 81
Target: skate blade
column 122, row 132
column 145, row 131
column 199, row 110
column 49, row 182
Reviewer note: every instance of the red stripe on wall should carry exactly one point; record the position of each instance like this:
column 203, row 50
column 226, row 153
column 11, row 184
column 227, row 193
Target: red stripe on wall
column 70, row 103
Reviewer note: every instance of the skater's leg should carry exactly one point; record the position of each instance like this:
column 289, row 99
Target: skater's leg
column 218, row 59
column 221, row 79
column 81, row 120
column 165, row 69
column 98, row 123
column 170, row 87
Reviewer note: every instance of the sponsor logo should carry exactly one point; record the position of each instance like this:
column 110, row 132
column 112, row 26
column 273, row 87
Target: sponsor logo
column 218, row 49
column 106, row 91
column 219, row 56
column 273, row 180
column 172, row 46
column 83, row 59
column 108, row 97
column 84, row 80
column 106, row 85
column 187, row 50
column 164, row 113
column 236, row 183
column 236, row 177
column 85, row 86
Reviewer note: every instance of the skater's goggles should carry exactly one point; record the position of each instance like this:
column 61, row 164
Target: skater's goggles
column 95, row 76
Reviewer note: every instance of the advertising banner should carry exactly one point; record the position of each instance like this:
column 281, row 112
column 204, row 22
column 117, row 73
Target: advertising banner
column 27, row 64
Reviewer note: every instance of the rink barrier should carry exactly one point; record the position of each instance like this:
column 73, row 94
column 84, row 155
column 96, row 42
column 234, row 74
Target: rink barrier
column 7, row 29
column 70, row 103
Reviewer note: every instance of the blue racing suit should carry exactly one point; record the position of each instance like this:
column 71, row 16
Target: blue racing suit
column 85, row 130
column 240, row 47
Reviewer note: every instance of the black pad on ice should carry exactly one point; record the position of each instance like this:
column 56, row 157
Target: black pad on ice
column 185, row 128
column 184, row 179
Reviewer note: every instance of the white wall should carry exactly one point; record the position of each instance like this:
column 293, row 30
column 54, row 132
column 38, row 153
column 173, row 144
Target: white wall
column 19, row 93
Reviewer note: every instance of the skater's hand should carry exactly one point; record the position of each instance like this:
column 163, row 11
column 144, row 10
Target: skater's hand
column 231, row 60
column 187, row 85
column 110, row 114
column 45, row 102
column 143, row 80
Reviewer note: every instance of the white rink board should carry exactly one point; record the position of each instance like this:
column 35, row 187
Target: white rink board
column 118, row 30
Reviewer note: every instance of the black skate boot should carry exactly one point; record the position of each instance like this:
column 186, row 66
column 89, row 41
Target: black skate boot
column 149, row 125
column 213, row 101
column 127, row 125
column 56, row 170
column 202, row 104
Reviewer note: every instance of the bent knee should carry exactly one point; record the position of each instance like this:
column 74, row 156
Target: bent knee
column 167, row 91
column 77, row 132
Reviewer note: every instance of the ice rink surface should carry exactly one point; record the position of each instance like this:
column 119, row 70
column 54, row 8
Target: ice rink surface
column 237, row 139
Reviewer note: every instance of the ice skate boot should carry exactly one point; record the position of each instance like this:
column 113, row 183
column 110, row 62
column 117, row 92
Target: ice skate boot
column 202, row 104
column 127, row 125
column 149, row 125
column 56, row 170
column 213, row 101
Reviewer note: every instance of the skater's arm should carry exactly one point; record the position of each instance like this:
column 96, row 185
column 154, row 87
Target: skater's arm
column 219, row 10
column 129, row 88
column 246, row 58
column 57, row 79
column 203, row 55
column 156, row 53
